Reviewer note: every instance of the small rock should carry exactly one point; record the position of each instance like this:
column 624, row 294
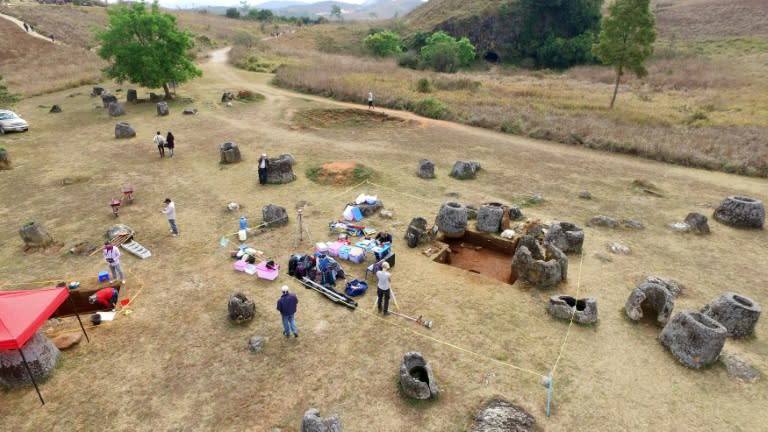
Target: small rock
column 535, row 199
column 515, row 213
column 233, row 206
column 116, row 109
column 738, row 368
column 312, row 422
column 55, row 109
column 386, row 214
column 585, row 195
column 619, row 249
column 67, row 340
column 698, row 223
column 633, row 224
column 679, row 227
column 603, row 221
column 603, row 257
column 502, row 416
column 256, row 343
column 189, row 111
column 508, row 234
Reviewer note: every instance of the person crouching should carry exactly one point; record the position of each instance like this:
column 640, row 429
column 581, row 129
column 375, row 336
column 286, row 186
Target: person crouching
column 105, row 298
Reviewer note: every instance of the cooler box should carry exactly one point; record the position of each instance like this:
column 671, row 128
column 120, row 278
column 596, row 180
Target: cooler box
column 240, row 265
column 333, row 248
column 321, row 247
column 344, row 252
column 381, row 251
column 357, row 255
column 357, row 214
column 366, row 244
column 103, row 277
column 266, row 273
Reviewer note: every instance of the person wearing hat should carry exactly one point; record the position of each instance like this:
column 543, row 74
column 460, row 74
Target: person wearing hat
column 105, row 297
column 383, row 288
column 263, row 165
column 287, row 306
column 112, row 256
column 170, row 213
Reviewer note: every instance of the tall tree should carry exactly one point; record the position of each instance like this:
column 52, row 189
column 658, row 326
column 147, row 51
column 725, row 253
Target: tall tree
column 626, row 38
column 146, row 48
column 336, row 11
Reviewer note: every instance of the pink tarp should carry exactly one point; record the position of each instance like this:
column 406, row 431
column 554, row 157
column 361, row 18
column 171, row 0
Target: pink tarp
column 23, row 312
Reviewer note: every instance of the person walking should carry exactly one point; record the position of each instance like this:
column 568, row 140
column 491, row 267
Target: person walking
column 26, row 27
column 370, row 101
column 383, row 288
column 112, row 256
column 170, row 143
column 287, row 304
column 263, row 165
column 160, row 143
column 170, row 213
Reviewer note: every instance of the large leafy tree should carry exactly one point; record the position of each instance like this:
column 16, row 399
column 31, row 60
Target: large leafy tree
column 145, row 47
column 626, row 39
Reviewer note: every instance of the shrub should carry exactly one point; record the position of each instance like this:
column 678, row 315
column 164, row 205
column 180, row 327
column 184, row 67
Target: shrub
column 232, row 13
column 409, row 60
column 6, row 97
column 424, row 85
column 384, row 43
column 432, row 108
column 443, row 53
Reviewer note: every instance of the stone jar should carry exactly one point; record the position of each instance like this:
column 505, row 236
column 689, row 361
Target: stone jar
column 693, row 338
column 416, row 377
column 229, row 153
column 452, row 219
column 489, row 217
column 737, row 313
column 741, row 212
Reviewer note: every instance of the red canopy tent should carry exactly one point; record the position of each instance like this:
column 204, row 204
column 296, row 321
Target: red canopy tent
column 22, row 313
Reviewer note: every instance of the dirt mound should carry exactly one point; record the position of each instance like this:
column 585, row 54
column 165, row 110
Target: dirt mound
column 344, row 117
column 340, row 173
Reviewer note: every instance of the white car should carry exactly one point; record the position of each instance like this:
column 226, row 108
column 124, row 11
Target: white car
column 10, row 121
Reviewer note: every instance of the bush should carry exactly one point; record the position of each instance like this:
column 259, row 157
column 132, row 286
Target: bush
column 432, row 108
column 383, row 43
column 232, row 13
column 409, row 60
column 424, row 86
column 443, row 53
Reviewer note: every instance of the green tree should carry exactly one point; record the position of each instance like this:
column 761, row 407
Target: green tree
column 232, row 13
column 445, row 54
column 384, row 43
column 261, row 14
column 626, row 39
column 6, row 97
column 146, row 47
column 336, row 11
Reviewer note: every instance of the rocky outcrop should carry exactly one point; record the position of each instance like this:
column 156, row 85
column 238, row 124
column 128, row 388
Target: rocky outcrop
column 693, row 338
column 35, row 234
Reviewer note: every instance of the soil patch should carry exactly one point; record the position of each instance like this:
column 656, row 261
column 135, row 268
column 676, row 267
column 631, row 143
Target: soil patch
column 480, row 254
column 345, row 117
column 339, row 173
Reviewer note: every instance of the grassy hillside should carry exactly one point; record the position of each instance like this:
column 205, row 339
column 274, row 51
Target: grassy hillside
column 434, row 12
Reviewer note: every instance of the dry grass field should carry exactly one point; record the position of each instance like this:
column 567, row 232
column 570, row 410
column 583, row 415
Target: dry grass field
column 176, row 363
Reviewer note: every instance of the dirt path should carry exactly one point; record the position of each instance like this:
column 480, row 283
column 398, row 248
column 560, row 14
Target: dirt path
column 32, row 32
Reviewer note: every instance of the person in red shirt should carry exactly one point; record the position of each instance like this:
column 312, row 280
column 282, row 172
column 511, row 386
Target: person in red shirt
column 106, row 297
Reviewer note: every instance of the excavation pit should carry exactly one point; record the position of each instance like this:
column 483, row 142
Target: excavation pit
column 480, row 253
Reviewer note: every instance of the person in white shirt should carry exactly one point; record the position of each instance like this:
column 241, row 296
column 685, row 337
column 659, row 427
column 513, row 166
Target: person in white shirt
column 160, row 143
column 263, row 165
column 170, row 213
column 112, row 256
column 383, row 288
column 370, row 101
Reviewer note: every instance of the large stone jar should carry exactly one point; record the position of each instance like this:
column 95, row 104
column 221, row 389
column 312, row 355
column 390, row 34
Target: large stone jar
column 693, row 338
column 41, row 355
column 741, row 212
column 35, row 234
column 489, row 217
column 416, row 377
column 737, row 313
column 452, row 219
column 229, row 152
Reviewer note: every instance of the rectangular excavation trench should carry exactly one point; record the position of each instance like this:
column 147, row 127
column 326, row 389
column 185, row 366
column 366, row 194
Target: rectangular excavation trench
column 480, row 253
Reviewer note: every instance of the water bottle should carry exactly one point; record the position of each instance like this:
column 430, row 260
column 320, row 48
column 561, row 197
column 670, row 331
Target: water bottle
column 243, row 223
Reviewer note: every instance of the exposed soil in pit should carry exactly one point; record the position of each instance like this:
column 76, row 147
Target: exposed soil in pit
column 345, row 117
column 341, row 173
column 479, row 259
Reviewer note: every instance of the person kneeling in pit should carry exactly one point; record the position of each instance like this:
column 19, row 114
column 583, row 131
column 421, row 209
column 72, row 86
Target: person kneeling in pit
column 105, row 298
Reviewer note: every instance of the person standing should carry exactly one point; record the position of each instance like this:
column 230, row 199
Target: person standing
column 26, row 27
column 287, row 305
column 112, row 256
column 170, row 143
column 53, row 38
column 170, row 213
column 105, row 297
column 160, row 143
column 263, row 165
column 370, row 101
column 383, row 288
